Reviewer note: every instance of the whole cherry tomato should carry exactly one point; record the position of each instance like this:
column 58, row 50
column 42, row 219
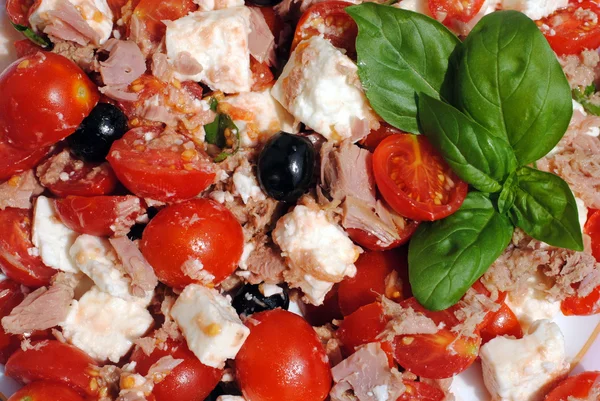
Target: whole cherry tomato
column 574, row 388
column 46, row 391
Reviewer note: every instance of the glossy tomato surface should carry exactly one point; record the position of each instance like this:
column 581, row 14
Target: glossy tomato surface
column 414, row 179
column 198, row 230
column 11, row 295
column 63, row 96
column 16, row 259
column 574, row 388
column 189, row 381
column 17, row 11
column 503, row 322
column 14, row 161
column 282, row 359
column 46, row 391
column 163, row 166
column 592, row 228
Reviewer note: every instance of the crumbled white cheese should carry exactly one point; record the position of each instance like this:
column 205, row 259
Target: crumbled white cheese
column 247, row 187
column 532, row 303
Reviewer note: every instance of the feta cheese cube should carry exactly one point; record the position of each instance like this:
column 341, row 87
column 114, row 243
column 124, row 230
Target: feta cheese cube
column 51, row 237
column 258, row 116
column 524, row 369
column 218, row 42
column 210, row 325
column 209, row 5
column 104, row 326
column 317, row 251
column 532, row 303
column 319, row 86
column 246, row 186
column 534, row 9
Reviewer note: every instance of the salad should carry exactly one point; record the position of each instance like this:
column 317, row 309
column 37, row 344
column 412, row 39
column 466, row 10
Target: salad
column 298, row 200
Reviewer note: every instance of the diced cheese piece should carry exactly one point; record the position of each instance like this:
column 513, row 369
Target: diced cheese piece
column 524, row 369
column 534, row 9
column 230, row 398
column 532, row 303
column 246, row 186
column 96, row 13
column 51, row 237
column 209, row 5
column 319, row 86
column 258, row 116
column 582, row 212
column 318, row 252
column 210, row 325
column 105, row 326
column 218, row 42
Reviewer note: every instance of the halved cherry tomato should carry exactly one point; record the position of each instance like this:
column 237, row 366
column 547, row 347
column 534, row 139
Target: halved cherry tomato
column 54, row 361
column 378, row 273
column 101, row 216
column 11, row 295
column 190, row 380
column 190, row 239
column 417, row 391
column 46, row 391
column 454, row 10
column 26, row 47
column 14, row 161
column 592, row 228
column 146, row 87
column 569, row 33
column 262, row 77
column 326, row 312
column 17, row 260
column 18, row 10
column 582, row 306
column 362, row 327
column 369, row 241
column 414, row 179
column 63, row 96
column 503, row 322
column 160, row 165
column 282, row 359
column 574, row 387
column 330, row 20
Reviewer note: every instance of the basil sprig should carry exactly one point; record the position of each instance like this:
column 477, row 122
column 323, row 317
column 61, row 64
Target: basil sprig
column 491, row 105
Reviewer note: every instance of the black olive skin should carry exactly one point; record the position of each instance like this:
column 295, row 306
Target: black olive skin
column 265, row 3
column 286, row 166
column 138, row 228
column 97, row 132
column 250, row 300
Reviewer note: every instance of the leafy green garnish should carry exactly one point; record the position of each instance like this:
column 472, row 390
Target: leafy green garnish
column 34, row 37
column 216, row 133
column 583, row 97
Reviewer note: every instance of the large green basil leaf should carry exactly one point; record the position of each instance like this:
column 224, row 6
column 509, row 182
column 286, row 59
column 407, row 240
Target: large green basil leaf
column 447, row 256
column 400, row 54
column 544, row 207
column 510, row 81
column 478, row 157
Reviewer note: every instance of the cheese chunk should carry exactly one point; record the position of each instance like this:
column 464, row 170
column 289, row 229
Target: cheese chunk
column 524, row 369
column 319, row 86
column 218, row 42
column 104, row 326
column 210, row 325
column 51, row 237
column 532, row 303
column 258, row 116
column 318, row 252
column 534, row 9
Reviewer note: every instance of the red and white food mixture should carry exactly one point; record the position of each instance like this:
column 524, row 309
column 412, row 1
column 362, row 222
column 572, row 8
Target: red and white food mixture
column 232, row 226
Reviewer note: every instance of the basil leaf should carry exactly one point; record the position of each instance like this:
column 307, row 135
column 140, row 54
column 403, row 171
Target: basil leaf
column 510, row 81
column 544, row 207
column 478, row 157
column 213, row 134
column 507, row 196
column 400, row 54
column 583, row 97
column 34, row 37
column 447, row 256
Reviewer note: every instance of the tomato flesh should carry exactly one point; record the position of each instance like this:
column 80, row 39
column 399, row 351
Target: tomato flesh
column 414, row 179
column 454, row 10
column 362, row 327
column 503, row 322
column 14, row 161
column 18, row 10
column 574, row 387
column 418, row 391
column 592, row 228
column 46, row 391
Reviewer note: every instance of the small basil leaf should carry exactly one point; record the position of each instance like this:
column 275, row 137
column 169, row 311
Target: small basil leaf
column 400, row 54
column 544, row 207
column 447, row 256
column 227, row 128
column 478, row 157
column 583, row 97
column 34, row 37
column 510, row 81
column 507, row 195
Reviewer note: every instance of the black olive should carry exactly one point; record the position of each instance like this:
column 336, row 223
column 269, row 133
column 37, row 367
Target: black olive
column 138, row 228
column 285, row 166
column 265, row 3
column 250, row 299
column 96, row 133
column 217, row 391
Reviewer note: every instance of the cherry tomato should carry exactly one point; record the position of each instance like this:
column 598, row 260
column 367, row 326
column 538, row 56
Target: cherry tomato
column 26, row 47
column 375, row 137
column 378, row 273
column 369, row 241
column 567, row 33
column 54, row 361
column 80, row 178
column 330, row 20
column 10, row 296
column 326, row 312
column 592, row 228
column 582, row 306
column 414, row 179
column 189, row 381
column 16, row 259
column 362, row 327
column 159, row 165
column 503, row 322
column 63, row 97
column 183, row 234
column 146, row 87
column 451, row 10
column 14, row 161
column 417, row 391
column 574, row 387
column 101, row 216
column 282, row 359
column 262, row 77
column 46, row 391
column 18, row 10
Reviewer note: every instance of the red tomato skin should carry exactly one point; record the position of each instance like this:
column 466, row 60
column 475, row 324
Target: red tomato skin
column 55, row 361
column 376, row 136
column 369, row 241
column 15, row 260
column 14, row 161
column 454, row 10
column 503, row 322
column 282, row 359
column 26, row 47
column 326, row 312
column 592, row 228
column 64, row 96
column 18, row 10
column 582, row 306
column 46, row 391
column 362, row 327
column 190, row 380
column 418, row 391
column 577, row 386
column 98, row 215
column 10, row 296
column 199, row 229
column 262, row 77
